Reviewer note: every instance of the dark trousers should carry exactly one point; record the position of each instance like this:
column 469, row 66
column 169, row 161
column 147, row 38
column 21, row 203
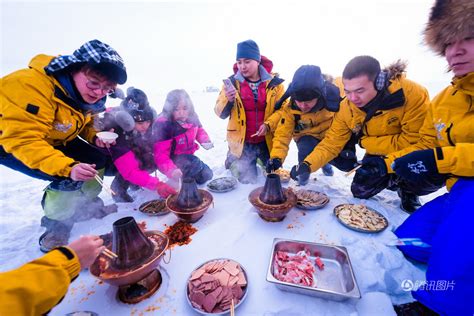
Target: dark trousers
column 76, row 149
column 364, row 188
column 245, row 166
column 306, row 145
column 192, row 167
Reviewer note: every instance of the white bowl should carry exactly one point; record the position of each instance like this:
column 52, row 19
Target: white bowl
column 107, row 137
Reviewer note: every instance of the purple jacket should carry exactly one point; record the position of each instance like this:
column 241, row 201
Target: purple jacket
column 133, row 157
column 173, row 139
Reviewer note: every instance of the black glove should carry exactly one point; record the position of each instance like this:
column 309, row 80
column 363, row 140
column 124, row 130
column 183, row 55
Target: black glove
column 301, row 173
column 273, row 164
column 372, row 166
column 416, row 166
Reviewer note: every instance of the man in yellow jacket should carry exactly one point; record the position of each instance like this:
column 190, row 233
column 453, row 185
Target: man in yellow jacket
column 38, row 286
column 46, row 131
column 446, row 149
column 305, row 117
column 383, row 112
column 248, row 100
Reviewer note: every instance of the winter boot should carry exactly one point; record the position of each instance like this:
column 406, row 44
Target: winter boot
column 409, row 201
column 205, row 175
column 413, row 309
column 56, row 235
column 327, row 170
column 120, row 186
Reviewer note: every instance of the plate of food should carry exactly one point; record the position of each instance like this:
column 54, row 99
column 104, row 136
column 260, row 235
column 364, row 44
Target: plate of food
column 221, row 185
column 310, row 199
column 216, row 286
column 284, row 175
column 360, row 218
column 154, row 208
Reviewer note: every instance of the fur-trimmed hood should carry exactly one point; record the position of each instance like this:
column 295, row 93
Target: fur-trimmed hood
column 449, row 20
column 396, row 70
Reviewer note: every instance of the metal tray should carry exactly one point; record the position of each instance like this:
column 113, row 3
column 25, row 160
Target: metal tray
column 312, row 207
column 357, row 229
column 335, row 282
column 224, row 312
column 221, row 185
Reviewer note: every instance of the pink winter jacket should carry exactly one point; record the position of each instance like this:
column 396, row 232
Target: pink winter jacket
column 173, row 139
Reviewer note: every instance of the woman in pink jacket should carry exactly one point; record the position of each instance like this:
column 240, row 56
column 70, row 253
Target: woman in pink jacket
column 132, row 155
column 177, row 132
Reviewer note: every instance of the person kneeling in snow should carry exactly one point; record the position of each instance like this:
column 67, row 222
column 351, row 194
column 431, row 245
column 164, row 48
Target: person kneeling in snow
column 48, row 113
column 176, row 131
column 36, row 287
column 305, row 117
column 382, row 111
column 446, row 148
column 132, row 154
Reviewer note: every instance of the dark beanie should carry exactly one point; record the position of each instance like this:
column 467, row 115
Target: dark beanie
column 136, row 104
column 248, row 49
column 307, row 83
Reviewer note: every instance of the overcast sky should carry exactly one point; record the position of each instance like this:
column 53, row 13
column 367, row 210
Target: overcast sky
column 193, row 44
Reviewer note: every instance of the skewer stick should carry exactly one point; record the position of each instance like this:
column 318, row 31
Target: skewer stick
column 352, row 171
column 232, row 308
column 109, row 253
column 106, row 188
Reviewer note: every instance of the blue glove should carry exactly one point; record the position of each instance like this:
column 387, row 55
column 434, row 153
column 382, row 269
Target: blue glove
column 273, row 164
column 372, row 166
column 301, row 173
column 416, row 166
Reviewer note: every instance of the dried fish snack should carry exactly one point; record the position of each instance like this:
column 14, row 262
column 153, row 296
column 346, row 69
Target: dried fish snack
column 310, row 200
column 154, row 207
column 360, row 217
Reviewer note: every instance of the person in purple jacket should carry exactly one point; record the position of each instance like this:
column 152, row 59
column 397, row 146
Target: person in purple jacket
column 177, row 131
column 132, row 154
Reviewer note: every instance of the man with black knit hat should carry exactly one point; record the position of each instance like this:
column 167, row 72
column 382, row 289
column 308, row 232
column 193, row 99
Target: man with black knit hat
column 47, row 131
column 305, row 117
column 248, row 101
column 446, row 149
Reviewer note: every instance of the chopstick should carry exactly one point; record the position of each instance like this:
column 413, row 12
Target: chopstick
column 232, row 308
column 106, row 188
column 109, row 253
column 352, row 171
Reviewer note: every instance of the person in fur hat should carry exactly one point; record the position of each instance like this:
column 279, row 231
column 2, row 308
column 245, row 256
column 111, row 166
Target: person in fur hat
column 47, row 131
column 446, row 148
column 382, row 111
column 132, row 153
column 308, row 106
column 248, row 101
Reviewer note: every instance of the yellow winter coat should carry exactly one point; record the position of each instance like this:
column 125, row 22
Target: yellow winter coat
column 315, row 124
column 386, row 132
column 38, row 286
column 35, row 116
column 449, row 124
column 237, row 121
